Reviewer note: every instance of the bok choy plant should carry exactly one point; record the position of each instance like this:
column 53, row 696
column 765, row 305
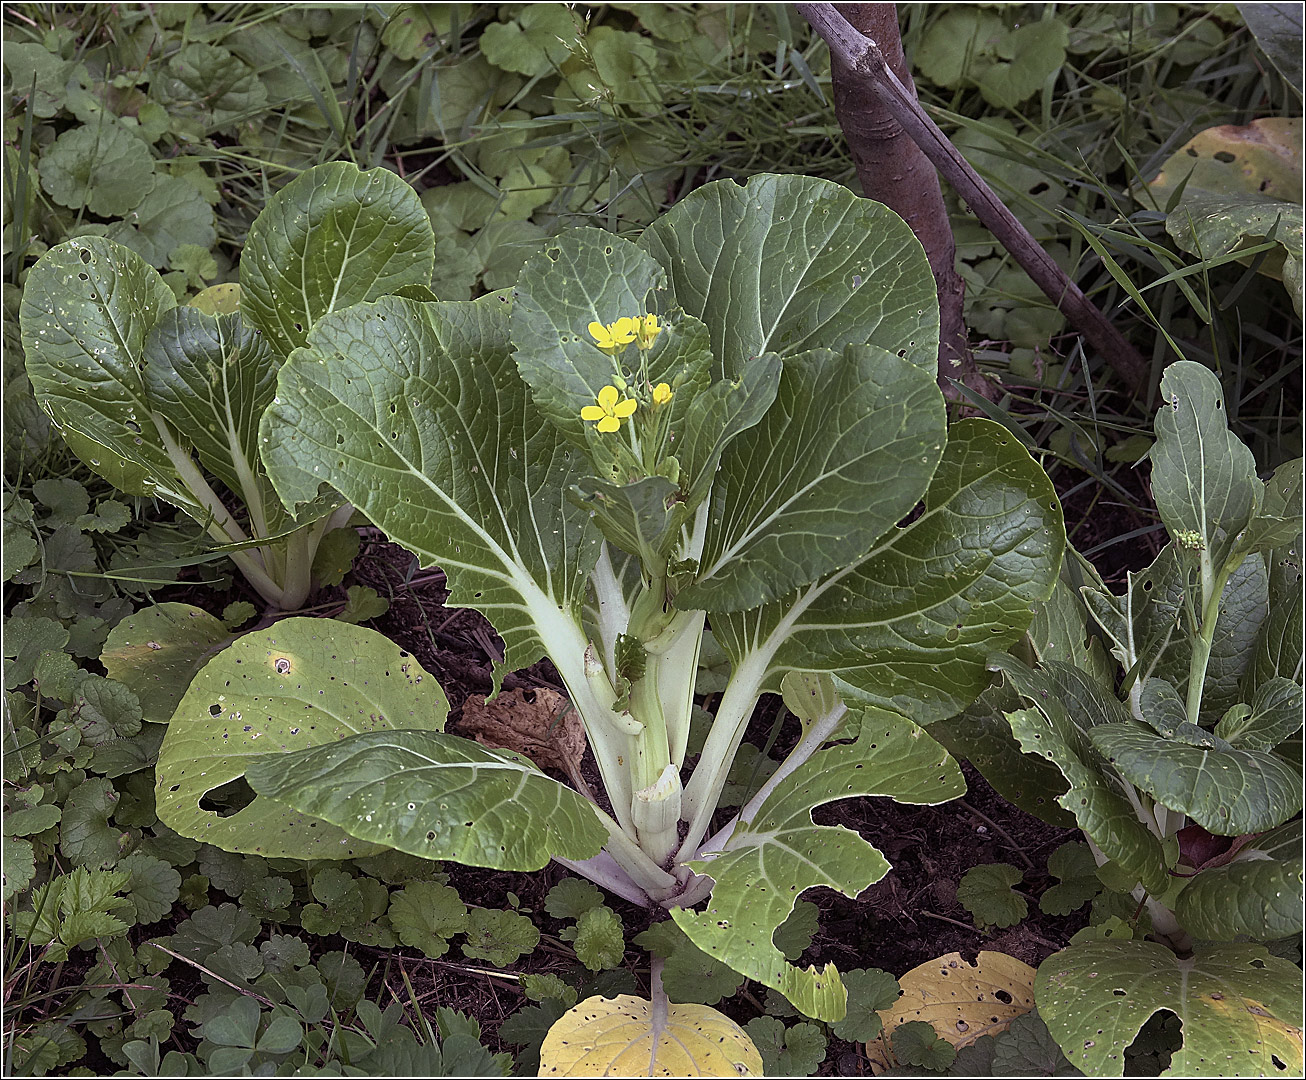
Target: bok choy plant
column 163, row 400
column 1166, row 723
column 731, row 426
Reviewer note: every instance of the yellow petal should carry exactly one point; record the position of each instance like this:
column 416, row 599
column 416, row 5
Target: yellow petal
column 592, row 412
column 625, row 408
column 608, row 397
column 661, row 394
column 609, row 423
column 623, row 330
column 599, row 333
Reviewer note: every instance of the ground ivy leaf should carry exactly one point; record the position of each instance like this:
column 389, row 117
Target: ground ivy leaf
column 917, row 1043
column 758, row 881
column 19, row 866
column 153, row 888
column 810, row 266
column 540, row 39
column 793, row 935
column 689, row 974
column 207, row 82
column 786, row 1051
column 100, row 167
column 173, row 215
column 1076, row 870
column 985, row 891
column 499, row 936
column 426, row 915
column 600, row 940
column 549, row 987
column 332, row 237
column 869, row 991
column 362, row 603
column 85, row 835
column 571, row 898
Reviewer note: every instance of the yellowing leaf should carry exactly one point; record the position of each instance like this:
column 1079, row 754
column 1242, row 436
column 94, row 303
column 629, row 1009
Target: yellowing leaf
column 618, row 1037
column 964, row 1001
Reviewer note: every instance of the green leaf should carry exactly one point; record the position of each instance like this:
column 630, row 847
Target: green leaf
column 869, row 991
column 415, row 414
column 535, row 44
column 1203, row 477
column 499, row 936
column 787, row 1051
column 961, row 42
column 600, row 940
column 795, row 934
column 1279, row 520
column 585, row 276
column 361, row 604
column 986, row 892
column 1227, row 792
column 549, row 987
column 19, row 867
column 332, row 237
column 689, row 975
column 335, row 556
column 1277, row 650
column 1278, row 31
column 172, row 216
column 156, row 651
column 222, row 725
column 1237, row 1005
column 1259, row 894
column 571, row 898
column 1029, row 55
column 844, row 452
column 1073, row 865
column 207, row 82
column 466, row 802
column 910, row 625
column 1068, row 707
column 785, row 264
column 426, row 915
column 85, row 835
column 758, row 881
column 1275, row 714
column 1027, row 1048
column 100, row 167
column 153, row 887
column 86, row 309
column 917, row 1043
column 211, row 378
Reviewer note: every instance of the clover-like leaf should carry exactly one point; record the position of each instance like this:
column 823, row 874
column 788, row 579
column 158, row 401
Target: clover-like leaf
column 870, row 991
column 499, row 936
column 758, row 881
column 688, row 974
column 100, row 167
column 426, row 915
column 600, row 940
column 986, row 892
column 1076, row 870
column 787, row 1051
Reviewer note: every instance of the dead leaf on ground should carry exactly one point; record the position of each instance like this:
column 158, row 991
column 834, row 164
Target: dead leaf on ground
column 964, row 1001
column 537, row 722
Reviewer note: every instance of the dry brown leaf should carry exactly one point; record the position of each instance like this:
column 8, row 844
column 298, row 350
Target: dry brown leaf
column 963, row 1001
column 537, row 722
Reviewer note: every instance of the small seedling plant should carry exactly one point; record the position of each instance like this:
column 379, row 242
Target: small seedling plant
column 1166, row 723
column 730, row 427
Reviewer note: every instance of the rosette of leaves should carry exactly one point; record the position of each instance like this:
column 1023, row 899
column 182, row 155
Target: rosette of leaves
column 166, row 401
column 726, row 420
column 1180, row 761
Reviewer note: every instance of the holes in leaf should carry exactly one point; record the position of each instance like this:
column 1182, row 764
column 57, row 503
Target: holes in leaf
column 229, row 799
column 1003, row 996
column 281, row 665
column 215, row 709
column 86, row 256
column 1225, row 157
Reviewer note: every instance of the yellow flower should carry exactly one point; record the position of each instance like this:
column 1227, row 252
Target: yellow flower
column 661, row 393
column 646, row 330
column 611, row 409
column 615, row 336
